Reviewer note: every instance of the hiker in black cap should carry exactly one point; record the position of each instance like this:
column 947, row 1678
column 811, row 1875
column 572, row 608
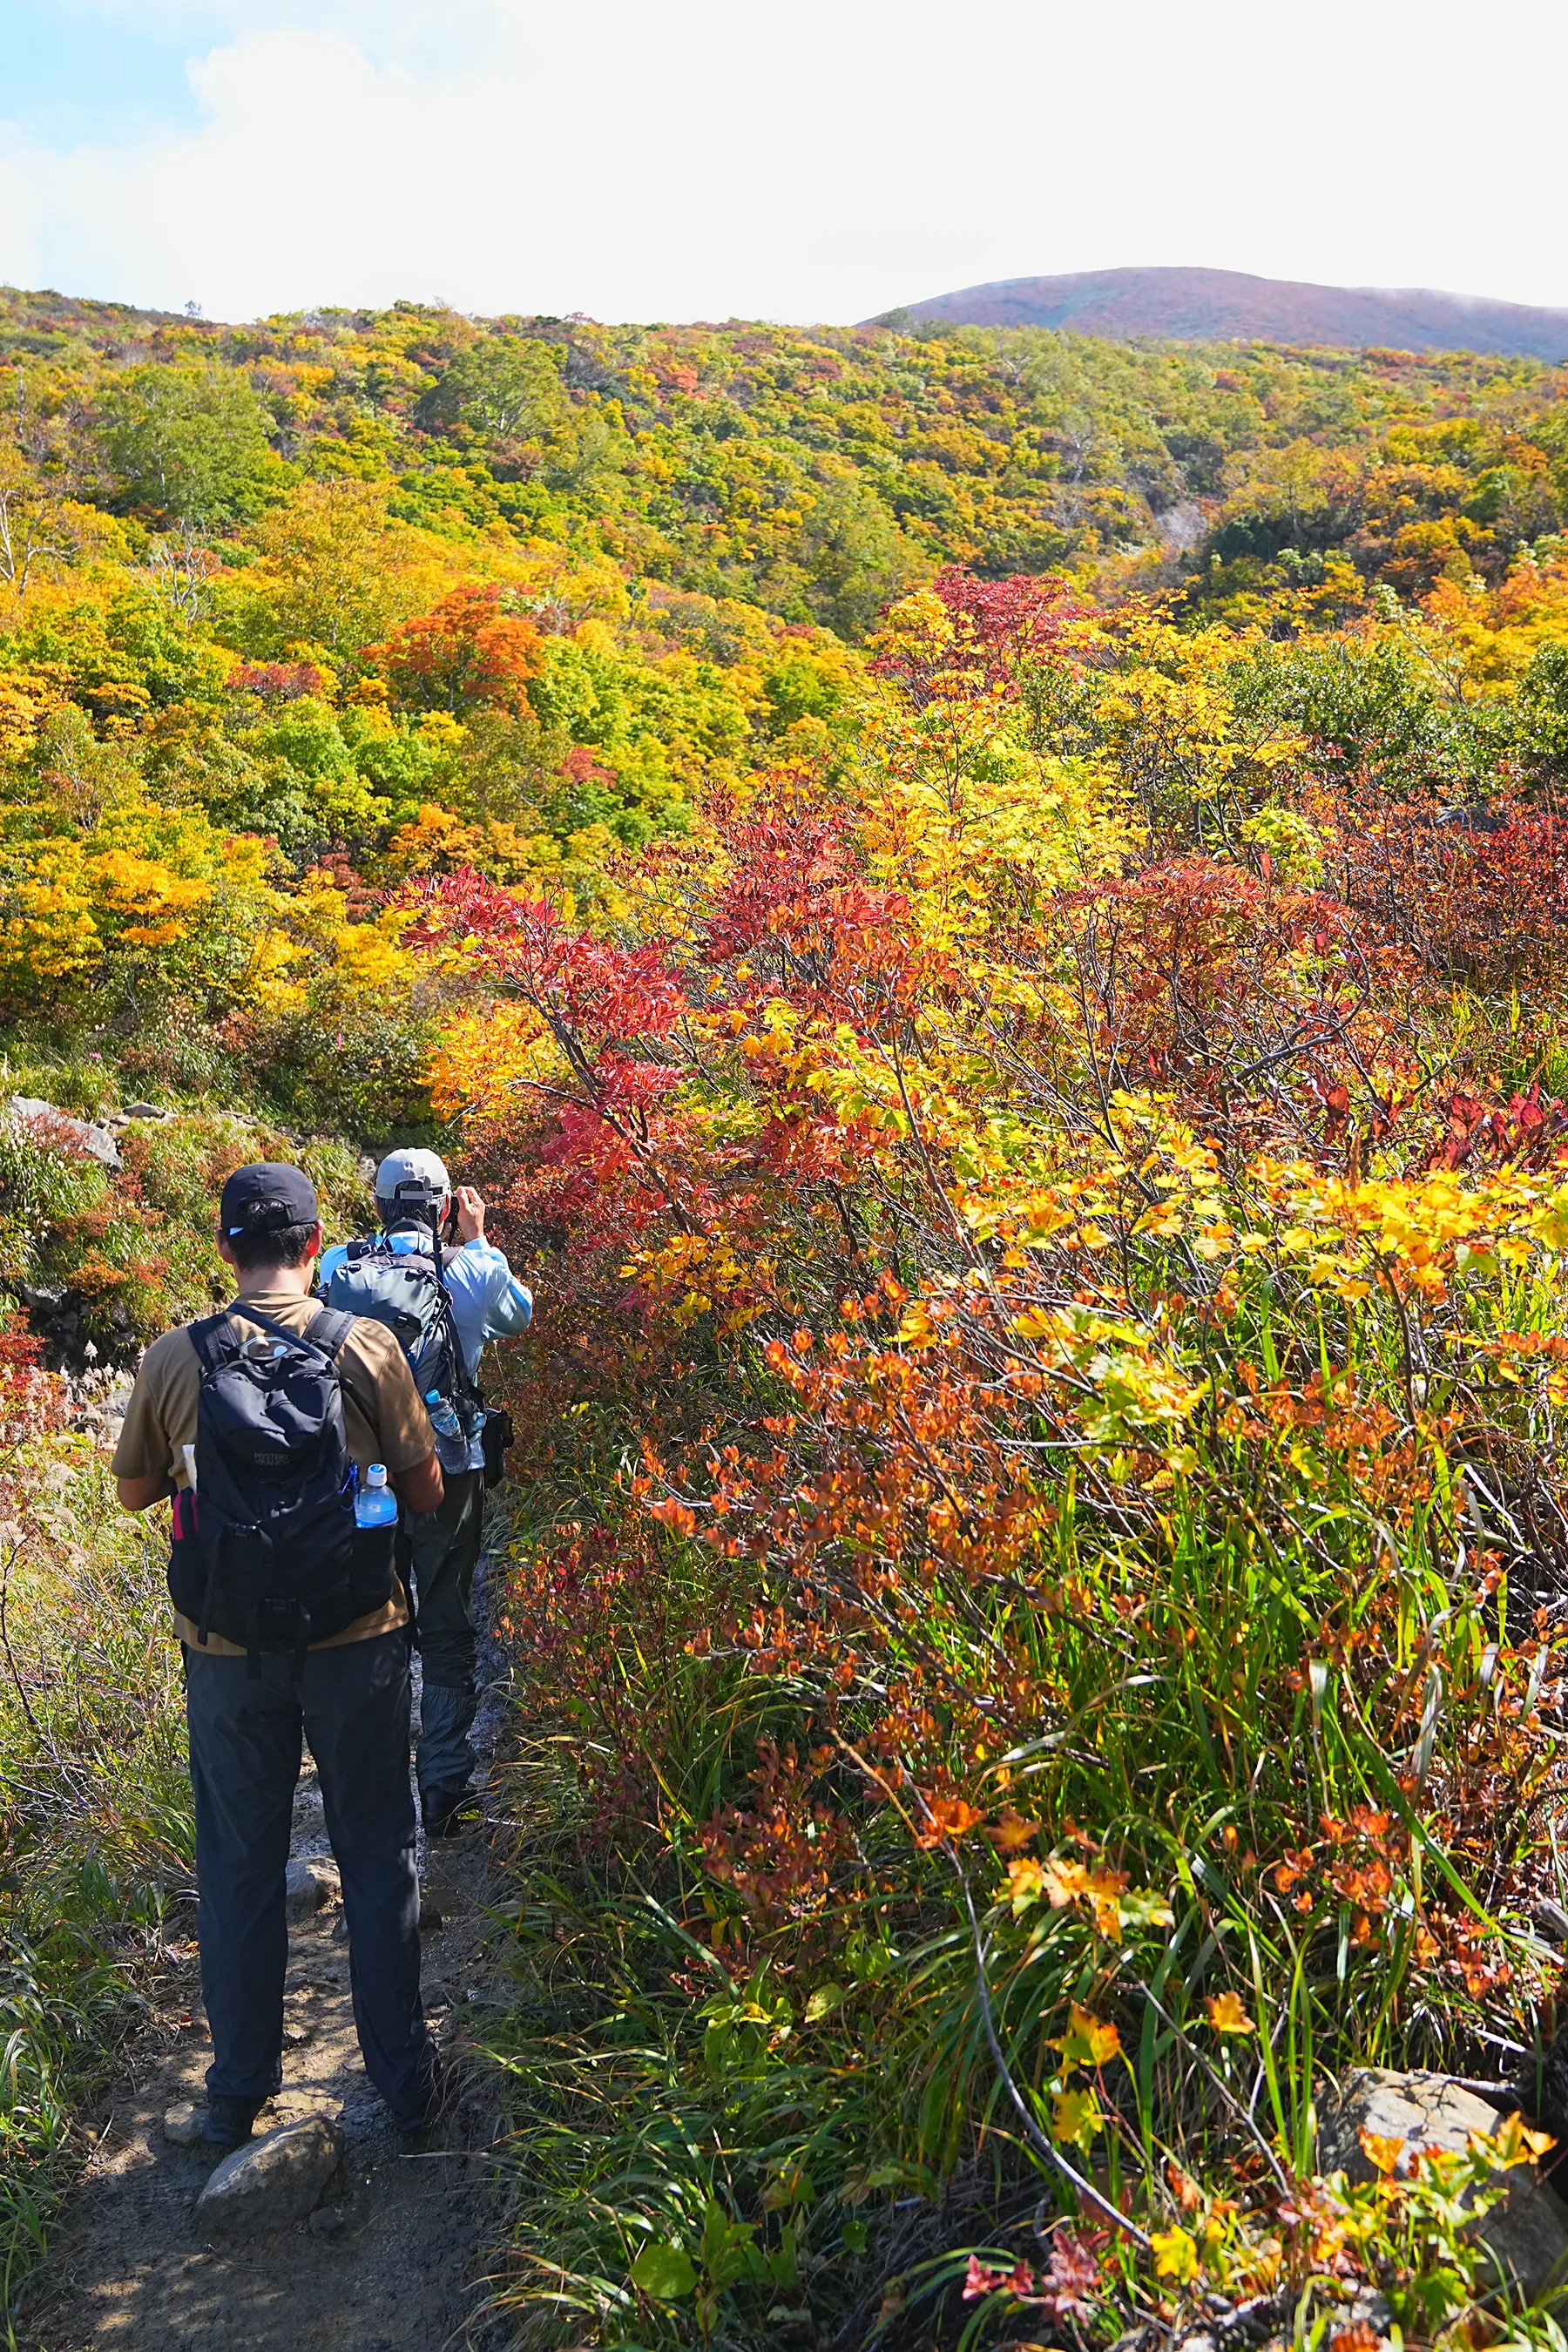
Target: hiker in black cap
column 262, row 1423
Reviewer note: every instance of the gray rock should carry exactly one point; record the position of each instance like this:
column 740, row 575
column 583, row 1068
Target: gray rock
column 1526, row 2236
column 433, row 1994
column 273, row 2182
column 306, row 1888
column 1421, row 2110
column 145, row 1110
column 430, row 1918
column 183, row 2124
column 98, row 1140
column 327, row 2221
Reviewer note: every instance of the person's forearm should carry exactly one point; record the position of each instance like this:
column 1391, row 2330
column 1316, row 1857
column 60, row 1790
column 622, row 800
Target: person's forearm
column 423, row 1488
column 141, row 1494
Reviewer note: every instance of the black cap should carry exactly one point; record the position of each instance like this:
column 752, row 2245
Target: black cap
column 257, row 1200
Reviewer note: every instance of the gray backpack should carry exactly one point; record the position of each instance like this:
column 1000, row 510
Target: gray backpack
column 406, row 1292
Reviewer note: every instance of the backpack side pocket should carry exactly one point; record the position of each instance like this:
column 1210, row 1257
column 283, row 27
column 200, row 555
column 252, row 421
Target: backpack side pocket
column 187, row 1576
column 374, row 1573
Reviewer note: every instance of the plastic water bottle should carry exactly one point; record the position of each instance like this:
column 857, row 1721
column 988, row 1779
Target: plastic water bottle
column 375, row 1505
column 442, row 1420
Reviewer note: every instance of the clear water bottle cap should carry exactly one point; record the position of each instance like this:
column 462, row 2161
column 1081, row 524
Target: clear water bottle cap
column 376, row 1474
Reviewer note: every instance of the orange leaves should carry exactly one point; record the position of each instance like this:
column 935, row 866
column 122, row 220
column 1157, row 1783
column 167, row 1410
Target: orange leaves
column 945, row 1817
column 675, row 1515
column 789, row 1855
column 1383, row 2151
column 470, row 653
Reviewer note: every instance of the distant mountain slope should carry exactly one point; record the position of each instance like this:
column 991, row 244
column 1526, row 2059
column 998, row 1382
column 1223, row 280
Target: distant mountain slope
column 1224, row 305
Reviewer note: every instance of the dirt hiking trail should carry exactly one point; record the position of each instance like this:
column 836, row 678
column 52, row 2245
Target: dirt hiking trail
column 388, row 2261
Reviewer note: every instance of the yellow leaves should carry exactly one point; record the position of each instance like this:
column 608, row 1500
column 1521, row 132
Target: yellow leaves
column 1176, row 2255
column 25, row 697
column 437, row 841
column 1430, row 1228
column 696, row 1273
column 1104, row 1893
column 369, row 961
column 1513, row 2143
column 1226, row 2014
column 1077, row 2118
column 1037, row 1323
column 485, row 1060
column 138, row 880
column 52, row 934
column 150, row 902
column 268, row 981
column 1025, row 1883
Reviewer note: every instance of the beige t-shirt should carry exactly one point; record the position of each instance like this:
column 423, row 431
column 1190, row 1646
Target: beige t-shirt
column 383, row 1421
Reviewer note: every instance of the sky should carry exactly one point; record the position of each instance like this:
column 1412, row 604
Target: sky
column 822, row 160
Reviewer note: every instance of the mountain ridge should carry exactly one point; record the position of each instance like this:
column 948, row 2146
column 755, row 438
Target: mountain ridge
column 1196, row 305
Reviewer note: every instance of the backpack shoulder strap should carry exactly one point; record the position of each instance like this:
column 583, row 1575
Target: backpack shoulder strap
column 324, row 1333
column 215, row 1340
column 328, row 1330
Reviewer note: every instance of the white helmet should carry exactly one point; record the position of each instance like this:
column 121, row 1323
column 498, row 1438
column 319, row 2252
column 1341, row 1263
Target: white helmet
column 412, row 1183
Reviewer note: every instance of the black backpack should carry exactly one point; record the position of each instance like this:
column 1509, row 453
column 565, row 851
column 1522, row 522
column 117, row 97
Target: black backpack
column 266, row 1550
column 406, row 1292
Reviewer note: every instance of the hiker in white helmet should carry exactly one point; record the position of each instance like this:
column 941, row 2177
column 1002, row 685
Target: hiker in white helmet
column 444, row 1303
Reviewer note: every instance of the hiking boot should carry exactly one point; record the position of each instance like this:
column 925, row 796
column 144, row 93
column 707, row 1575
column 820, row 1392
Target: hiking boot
column 228, row 2122
column 447, row 1810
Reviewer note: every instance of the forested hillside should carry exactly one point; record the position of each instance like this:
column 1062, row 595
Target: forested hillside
column 988, row 910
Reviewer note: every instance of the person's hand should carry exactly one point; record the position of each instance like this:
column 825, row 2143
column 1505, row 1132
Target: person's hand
column 470, row 1213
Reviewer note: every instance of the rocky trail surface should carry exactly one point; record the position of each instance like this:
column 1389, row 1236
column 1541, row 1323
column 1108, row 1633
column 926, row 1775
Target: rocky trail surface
column 377, row 2249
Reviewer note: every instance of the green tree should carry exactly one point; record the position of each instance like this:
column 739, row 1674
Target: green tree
column 503, row 388
column 189, row 444
column 854, row 556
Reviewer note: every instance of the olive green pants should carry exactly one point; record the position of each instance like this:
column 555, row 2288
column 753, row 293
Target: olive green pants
column 438, row 1552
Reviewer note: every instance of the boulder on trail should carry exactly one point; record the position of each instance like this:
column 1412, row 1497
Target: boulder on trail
column 307, row 1886
column 271, row 2183
column 1526, row 2236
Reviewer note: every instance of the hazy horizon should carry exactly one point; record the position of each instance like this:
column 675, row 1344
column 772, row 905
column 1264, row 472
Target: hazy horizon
column 263, row 155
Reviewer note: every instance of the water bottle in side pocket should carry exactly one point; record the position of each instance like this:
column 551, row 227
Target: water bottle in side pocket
column 375, row 1505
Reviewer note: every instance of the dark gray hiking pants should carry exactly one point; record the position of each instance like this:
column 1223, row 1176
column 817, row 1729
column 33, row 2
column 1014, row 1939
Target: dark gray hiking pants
column 438, row 1552
column 352, row 1704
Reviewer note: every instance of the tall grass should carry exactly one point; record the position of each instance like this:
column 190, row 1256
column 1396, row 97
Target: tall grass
column 98, row 1834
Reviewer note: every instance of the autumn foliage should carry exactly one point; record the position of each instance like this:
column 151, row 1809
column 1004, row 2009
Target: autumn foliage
column 1090, row 1342
column 1023, row 1063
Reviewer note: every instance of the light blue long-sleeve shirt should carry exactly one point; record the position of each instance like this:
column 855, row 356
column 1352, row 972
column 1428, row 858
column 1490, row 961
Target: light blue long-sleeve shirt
column 487, row 1300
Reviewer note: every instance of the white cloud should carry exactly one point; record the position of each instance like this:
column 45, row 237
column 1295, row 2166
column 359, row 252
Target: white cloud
column 701, row 160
